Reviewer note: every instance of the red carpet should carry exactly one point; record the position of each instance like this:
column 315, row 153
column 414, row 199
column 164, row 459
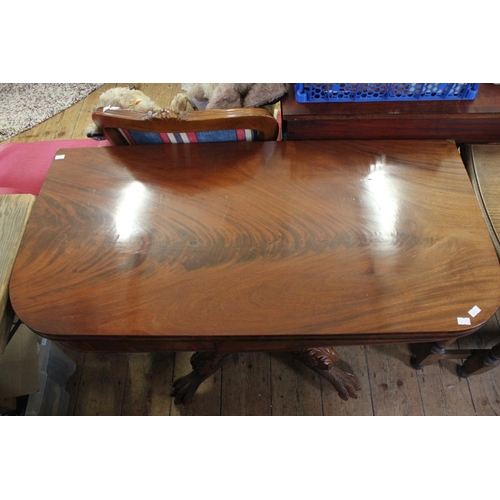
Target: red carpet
column 24, row 165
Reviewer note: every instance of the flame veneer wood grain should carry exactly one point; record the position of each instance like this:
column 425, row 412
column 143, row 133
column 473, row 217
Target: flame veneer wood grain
column 255, row 246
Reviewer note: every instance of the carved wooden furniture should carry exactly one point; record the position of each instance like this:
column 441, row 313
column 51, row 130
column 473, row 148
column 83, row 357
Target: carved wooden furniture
column 483, row 166
column 23, row 167
column 476, row 121
column 15, row 210
column 281, row 246
column 125, row 127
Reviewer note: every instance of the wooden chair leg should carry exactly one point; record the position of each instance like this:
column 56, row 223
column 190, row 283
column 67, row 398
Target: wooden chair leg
column 481, row 361
column 429, row 353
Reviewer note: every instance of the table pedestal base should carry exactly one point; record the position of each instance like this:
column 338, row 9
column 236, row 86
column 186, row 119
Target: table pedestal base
column 205, row 364
column 319, row 359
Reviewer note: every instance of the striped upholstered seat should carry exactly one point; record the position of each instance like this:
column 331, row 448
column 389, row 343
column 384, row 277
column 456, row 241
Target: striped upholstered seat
column 139, row 137
column 126, row 127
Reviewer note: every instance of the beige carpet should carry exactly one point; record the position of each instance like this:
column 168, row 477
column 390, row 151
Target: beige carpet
column 24, row 105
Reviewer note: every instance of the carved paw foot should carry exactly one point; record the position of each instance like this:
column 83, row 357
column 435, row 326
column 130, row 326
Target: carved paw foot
column 322, row 360
column 345, row 383
column 205, row 364
column 183, row 388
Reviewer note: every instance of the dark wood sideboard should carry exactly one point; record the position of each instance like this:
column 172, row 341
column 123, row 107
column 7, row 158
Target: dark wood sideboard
column 476, row 121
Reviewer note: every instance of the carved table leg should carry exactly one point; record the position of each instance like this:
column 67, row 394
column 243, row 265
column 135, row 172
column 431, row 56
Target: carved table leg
column 205, row 364
column 321, row 360
column 481, row 361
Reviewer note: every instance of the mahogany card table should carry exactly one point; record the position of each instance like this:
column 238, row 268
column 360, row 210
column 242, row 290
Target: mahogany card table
column 263, row 246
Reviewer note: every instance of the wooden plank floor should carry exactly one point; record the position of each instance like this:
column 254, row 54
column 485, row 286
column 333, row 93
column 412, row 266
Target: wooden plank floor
column 261, row 383
column 275, row 384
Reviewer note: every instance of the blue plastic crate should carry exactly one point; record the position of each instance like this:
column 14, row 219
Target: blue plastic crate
column 372, row 92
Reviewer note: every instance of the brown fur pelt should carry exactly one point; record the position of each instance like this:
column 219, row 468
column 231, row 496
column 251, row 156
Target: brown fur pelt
column 235, row 95
column 124, row 98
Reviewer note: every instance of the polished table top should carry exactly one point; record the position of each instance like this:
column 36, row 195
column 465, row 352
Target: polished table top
column 248, row 245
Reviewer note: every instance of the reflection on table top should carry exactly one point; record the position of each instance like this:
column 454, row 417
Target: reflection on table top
column 303, row 242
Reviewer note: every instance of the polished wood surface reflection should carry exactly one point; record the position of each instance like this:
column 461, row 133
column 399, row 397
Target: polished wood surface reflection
column 482, row 162
column 256, row 246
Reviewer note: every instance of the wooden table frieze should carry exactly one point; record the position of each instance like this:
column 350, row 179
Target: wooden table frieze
column 220, row 248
